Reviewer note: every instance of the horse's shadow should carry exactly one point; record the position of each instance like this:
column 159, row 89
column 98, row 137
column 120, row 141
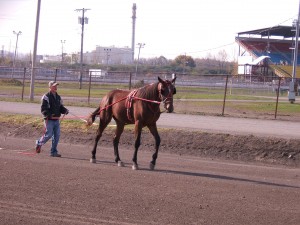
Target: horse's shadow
column 84, row 159
column 222, row 177
column 194, row 174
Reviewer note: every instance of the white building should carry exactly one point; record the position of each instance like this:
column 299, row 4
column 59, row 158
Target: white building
column 109, row 56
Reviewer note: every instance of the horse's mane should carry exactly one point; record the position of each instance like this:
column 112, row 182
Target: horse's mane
column 149, row 91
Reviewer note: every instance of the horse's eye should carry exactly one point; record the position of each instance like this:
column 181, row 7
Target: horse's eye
column 174, row 91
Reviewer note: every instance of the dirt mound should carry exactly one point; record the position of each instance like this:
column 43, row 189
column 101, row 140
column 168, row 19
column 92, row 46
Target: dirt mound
column 266, row 150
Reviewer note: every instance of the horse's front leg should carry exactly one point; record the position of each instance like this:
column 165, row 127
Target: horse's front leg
column 154, row 132
column 137, row 133
column 118, row 132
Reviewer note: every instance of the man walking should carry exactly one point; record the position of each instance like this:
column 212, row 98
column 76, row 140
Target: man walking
column 51, row 107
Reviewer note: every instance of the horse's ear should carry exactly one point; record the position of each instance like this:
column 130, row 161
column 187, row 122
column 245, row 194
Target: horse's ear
column 174, row 77
column 173, row 80
column 160, row 80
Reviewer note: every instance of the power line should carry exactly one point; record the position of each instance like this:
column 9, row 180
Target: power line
column 210, row 49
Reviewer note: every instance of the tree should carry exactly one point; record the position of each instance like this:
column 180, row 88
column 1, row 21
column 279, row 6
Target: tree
column 185, row 61
column 162, row 61
column 156, row 61
column 5, row 61
column 222, row 58
column 74, row 58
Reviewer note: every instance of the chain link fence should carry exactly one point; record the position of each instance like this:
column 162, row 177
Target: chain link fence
column 238, row 96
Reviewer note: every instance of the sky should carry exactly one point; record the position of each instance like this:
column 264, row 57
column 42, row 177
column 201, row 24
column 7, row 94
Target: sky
column 167, row 27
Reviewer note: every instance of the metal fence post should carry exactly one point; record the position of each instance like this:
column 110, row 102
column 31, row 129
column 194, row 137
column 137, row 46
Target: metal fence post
column 55, row 75
column 278, row 90
column 23, row 85
column 90, row 83
column 225, row 92
column 130, row 75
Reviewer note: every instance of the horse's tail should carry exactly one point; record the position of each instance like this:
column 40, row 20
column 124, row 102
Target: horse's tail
column 91, row 119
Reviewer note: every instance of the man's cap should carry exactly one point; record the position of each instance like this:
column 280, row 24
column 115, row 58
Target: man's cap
column 53, row 83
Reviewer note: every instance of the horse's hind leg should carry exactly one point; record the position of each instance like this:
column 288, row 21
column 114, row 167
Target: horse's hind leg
column 102, row 126
column 118, row 132
column 154, row 132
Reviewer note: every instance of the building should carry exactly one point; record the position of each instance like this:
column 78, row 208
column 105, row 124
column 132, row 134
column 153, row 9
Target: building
column 109, row 56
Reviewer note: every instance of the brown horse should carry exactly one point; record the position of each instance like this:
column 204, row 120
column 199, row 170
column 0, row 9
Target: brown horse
column 140, row 107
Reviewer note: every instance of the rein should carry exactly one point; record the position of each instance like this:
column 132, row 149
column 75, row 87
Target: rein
column 133, row 97
column 147, row 100
column 112, row 104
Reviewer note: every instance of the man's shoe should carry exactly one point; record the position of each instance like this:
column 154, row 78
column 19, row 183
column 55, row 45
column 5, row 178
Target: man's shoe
column 38, row 148
column 56, row 155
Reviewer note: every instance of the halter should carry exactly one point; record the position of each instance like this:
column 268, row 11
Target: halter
column 163, row 98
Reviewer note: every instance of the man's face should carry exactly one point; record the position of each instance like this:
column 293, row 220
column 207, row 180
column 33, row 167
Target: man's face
column 53, row 89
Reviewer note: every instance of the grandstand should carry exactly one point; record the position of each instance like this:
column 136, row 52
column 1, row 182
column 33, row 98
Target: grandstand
column 274, row 46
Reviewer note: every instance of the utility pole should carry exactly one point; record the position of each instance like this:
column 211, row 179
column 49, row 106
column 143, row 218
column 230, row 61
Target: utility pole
column 62, row 50
column 2, row 52
column 82, row 20
column 133, row 30
column 141, row 45
column 34, row 51
column 292, row 84
column 107, row 50
column 13, row 70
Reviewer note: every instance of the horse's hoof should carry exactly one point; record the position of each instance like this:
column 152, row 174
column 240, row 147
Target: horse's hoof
column 120, row 164
column 152, row 166
column 93, row 160
column 135, row 167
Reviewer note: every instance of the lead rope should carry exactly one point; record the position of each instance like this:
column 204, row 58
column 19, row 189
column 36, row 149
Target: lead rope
column 78, row 117
column 25, row 152
column 13, row 131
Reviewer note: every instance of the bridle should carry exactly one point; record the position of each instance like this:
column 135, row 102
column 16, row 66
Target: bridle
column 166, row 99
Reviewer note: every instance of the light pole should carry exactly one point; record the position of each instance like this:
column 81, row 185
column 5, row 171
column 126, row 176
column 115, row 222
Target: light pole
column 141, row 45
column 16, row 33
column 82, row 20
column 62, row 50
column 292, row 84
column 133, row 30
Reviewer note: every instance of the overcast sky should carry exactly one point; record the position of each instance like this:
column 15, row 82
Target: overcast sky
column 167, row 27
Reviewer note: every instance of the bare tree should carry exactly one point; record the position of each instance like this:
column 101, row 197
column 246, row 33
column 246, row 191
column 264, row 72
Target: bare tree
column 222, row 57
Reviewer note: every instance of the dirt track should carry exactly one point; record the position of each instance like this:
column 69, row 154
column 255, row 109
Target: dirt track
column 258, row 183
column 38, row 189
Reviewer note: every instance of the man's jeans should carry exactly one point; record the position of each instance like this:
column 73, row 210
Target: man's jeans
column 52, row 131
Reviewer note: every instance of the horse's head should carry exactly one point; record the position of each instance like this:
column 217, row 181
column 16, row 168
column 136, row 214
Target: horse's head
column 166, row 90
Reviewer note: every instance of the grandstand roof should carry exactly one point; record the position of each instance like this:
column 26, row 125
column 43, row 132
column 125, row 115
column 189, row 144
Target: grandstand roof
column 283, row 31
